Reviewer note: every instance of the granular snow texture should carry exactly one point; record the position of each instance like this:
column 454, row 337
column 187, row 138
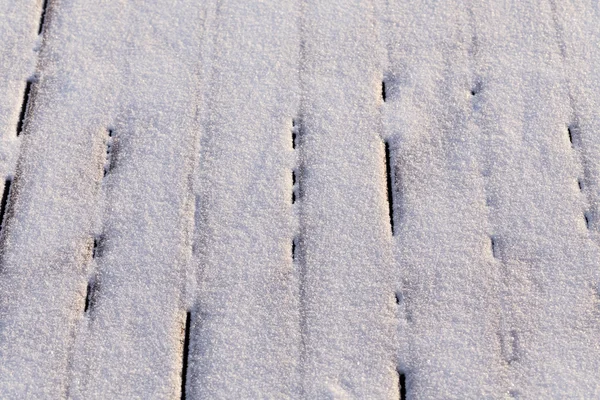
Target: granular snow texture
column 303, row 199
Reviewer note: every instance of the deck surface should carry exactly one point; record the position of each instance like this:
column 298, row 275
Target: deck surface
column 301, row 199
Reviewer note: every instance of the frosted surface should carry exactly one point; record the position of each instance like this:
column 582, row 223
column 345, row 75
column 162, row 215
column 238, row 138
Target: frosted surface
column 300, row 199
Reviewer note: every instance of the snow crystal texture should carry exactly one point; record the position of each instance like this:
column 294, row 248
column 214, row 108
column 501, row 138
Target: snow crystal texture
column 300, row 199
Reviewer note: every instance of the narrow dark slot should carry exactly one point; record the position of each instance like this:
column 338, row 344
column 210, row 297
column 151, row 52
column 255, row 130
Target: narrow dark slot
column 4, row 202
column 109, row 148
column 43, row 17
column 579, row 184
column 293, row 186
column 493, row 246
column 95, row 249
column 99, row 242
column 383, row 93
column 293, row 249
column 88, row 297
column 24, row 106
column 402, row 384
column 390, row 196
column 570, row 131
column 587, row 220
column 294, row 127
column 186, row 350
column 476, row 89
column 398, row 297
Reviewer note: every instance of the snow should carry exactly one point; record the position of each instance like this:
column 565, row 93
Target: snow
column 153, row 177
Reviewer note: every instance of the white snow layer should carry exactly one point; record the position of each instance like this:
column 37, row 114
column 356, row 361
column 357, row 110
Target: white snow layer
column 199, row 199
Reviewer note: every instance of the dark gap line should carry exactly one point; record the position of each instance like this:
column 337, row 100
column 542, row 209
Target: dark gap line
column 42, row 17
column 493, row 246
column 4, row 203
column 390, row 196
column 476, row 89
column 91, row 286
column 294, row 128
column 24, row 106
column 402, row 385
column 88, row 295
column 293, row 186
column 297, row 248
column 383, row 91
column 99, row 242
column 109, row 149
column 574, row 132
column 570, row 132
column 186, row 351
column 398, row 297
column 95, row 248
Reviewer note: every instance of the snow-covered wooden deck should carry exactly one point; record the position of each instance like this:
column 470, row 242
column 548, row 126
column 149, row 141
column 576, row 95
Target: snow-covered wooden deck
column 385, row 199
